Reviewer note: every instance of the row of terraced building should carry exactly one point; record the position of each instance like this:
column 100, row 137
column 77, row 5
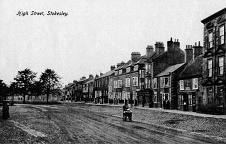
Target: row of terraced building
column 165, row 77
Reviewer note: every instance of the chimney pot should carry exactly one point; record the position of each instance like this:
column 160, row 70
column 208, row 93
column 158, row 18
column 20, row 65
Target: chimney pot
column 199, row 43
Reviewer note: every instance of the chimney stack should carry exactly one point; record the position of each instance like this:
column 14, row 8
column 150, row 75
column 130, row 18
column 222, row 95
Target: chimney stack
column 101, row 74
column 90, row 76
column 159, row 47
column 188, row 53
column 198, row 50
column 118, row 65
column 149, row 51
column 176, row 44
column 112, row 67
column 170, row 44
column 135, row 56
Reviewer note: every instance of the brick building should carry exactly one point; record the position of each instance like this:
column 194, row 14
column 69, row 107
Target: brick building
column 127, row 80
column 214, row 84
column 101, row 85
column 159, row 60
column 88, row 88
column 190, row 79
column 166, row 86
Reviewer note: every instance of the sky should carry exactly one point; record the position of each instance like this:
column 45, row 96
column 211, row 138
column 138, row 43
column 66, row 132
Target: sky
column 94, row 35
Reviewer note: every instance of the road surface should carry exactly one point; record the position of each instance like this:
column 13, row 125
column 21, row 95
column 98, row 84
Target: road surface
column 79, row 123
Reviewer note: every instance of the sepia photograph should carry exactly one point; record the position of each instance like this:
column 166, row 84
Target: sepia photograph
column 112, row 71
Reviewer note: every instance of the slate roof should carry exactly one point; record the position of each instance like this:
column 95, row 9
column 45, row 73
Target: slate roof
column 106, row 74
column 142, row 60
column 170, row 69
column 193, row 68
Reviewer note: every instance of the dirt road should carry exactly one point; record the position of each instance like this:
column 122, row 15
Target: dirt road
column 79, row 123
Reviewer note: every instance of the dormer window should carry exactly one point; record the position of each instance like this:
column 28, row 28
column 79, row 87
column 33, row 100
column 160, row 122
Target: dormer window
column 120, row 71
column 136, row 68
column 128, row 70
column 116, row 73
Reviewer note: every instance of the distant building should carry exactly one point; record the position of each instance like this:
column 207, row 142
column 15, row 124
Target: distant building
column 127, row 80
column 101, row 85
column 88, row 88
column 214, row 76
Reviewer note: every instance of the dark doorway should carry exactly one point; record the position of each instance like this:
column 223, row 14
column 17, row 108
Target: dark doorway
column 185, row 102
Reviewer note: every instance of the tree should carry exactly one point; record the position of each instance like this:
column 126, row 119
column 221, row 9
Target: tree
column 24, row 81
column 50, row 82
column 3, row 90
column 37, row 88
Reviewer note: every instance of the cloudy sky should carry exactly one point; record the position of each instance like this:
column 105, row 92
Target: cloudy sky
column 95, row 34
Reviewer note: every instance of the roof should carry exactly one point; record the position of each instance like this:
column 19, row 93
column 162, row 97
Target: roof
column 214, row 15
column 193, row 68
column 170, row 69
column 106, row 74
column 91, row 80
column 141, row 60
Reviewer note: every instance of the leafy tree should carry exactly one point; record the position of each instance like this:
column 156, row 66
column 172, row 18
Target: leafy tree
column 3, row 90
column 37, row 88
column 24, row 80
column 50, row 82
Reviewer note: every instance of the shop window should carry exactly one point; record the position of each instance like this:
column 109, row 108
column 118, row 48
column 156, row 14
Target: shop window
column 190, row 100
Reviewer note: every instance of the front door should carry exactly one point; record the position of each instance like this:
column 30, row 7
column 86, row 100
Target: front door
column 185, row 102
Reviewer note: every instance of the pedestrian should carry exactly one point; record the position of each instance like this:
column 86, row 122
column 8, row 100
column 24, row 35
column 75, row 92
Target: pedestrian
column 5, row 110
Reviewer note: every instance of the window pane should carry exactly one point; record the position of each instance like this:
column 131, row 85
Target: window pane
column 209, row 64
column 221, row 30
column 221, row 61
column 210, row 36
column 222, row 40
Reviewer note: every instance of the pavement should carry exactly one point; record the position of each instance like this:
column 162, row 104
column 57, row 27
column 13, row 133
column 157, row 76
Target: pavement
column 162, row 110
